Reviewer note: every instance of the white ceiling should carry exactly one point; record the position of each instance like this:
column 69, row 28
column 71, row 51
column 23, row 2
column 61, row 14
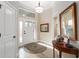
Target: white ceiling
column 33, row 4
column 28, row 7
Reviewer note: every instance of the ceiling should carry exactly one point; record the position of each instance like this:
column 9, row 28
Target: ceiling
column 33, row 4
column 28, row 7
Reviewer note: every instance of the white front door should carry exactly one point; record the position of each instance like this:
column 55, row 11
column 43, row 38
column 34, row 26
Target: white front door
column 10, row 32
column 28, row 32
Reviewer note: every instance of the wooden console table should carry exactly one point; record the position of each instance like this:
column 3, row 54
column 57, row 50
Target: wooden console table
column 61, row 47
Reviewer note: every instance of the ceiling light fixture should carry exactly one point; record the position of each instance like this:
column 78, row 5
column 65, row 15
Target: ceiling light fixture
column 39, row 9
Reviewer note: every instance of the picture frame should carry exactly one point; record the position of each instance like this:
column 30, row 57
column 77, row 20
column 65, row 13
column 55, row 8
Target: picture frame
column 68, row 22
column 44, row 27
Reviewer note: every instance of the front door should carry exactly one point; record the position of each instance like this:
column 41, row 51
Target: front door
column 28, row 33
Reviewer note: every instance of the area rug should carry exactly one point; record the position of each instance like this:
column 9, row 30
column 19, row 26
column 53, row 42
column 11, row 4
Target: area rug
column 35, row 47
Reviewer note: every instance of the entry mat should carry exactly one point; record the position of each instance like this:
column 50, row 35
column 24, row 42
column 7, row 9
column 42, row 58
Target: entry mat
column 35, row 48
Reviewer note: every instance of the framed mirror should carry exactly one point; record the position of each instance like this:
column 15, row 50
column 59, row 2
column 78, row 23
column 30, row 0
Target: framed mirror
column 68, row 22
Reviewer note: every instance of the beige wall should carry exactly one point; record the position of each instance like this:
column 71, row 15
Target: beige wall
column 37, row 17
column 48, row 17
column 60, row 6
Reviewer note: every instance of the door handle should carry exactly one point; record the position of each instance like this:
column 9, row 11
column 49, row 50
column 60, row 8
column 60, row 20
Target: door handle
column 14, row 36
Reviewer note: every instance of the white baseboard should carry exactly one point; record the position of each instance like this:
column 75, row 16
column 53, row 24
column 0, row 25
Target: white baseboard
column 45, row 43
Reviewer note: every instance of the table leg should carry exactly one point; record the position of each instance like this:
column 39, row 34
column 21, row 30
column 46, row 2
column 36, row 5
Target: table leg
column 60, row 54
column 77, row 55
column 53, row 53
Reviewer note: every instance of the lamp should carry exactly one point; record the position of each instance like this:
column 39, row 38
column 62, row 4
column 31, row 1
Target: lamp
column 39, row 9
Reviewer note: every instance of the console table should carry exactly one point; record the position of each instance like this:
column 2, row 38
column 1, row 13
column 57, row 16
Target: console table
column 61, row 47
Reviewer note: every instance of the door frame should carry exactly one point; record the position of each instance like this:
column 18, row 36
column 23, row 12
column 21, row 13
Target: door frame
column 24, row 19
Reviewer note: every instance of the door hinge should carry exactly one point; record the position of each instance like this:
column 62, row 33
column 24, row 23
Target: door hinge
column 0, row 34
column 0, row 5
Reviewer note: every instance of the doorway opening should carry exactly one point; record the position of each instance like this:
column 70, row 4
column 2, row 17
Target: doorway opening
column 20, row 31
column 27, row 32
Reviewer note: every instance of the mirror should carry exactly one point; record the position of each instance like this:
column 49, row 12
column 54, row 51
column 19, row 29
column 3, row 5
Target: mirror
column 68, row 22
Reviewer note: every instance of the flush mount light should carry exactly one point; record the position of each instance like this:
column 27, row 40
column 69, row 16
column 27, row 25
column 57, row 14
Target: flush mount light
column 39, row 9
